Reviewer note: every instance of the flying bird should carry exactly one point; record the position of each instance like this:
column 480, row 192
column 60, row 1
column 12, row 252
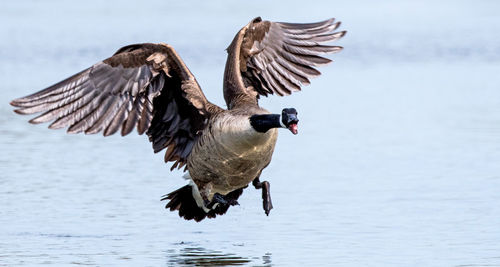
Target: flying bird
column 148, row 87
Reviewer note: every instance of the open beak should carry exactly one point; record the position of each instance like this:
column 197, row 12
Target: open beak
column 293, row 128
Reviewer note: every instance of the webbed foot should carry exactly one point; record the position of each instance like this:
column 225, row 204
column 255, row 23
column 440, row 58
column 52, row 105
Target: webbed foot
column 220, row 199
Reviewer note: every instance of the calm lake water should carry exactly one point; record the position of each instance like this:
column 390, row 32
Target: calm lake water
column 397, row 162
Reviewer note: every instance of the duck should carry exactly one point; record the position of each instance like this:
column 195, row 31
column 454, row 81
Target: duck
column 148, row 87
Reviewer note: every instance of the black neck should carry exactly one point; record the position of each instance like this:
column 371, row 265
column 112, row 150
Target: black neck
column 262, row 123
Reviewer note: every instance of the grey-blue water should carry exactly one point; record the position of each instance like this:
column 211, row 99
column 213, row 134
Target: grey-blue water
column 397, row 162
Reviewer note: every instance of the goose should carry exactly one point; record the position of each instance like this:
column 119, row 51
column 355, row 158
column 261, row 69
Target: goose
column 148, row 87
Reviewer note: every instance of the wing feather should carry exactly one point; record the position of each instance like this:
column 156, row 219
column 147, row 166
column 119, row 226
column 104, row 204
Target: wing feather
column 142, row 86
column 277, row 57
column 284, row 77
column 119, row 118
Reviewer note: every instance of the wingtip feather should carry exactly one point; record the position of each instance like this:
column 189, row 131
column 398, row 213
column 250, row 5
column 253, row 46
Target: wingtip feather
column 33, row 121
column 20, row 111
column 56, row 125
column 14, row 102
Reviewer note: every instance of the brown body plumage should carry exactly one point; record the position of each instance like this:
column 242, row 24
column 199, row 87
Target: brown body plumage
column 236, row 156
column 148, row 87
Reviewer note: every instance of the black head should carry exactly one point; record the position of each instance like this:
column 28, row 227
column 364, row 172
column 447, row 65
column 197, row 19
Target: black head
column 289, row 119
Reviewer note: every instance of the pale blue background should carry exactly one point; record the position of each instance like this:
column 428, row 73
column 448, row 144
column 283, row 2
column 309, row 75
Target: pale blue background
column 397, row 162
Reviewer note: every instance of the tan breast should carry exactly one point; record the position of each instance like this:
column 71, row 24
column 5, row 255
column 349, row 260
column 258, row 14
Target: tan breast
column 229, row 155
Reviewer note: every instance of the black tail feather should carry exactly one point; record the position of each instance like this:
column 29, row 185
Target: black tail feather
column 182, row 200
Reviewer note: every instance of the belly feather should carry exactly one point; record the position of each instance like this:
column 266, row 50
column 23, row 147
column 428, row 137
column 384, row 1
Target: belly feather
column 229, row 158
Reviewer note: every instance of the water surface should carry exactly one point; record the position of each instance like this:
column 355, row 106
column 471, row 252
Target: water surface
column 396, row 163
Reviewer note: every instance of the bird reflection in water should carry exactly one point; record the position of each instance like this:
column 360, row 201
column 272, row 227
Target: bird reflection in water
column 198, row 256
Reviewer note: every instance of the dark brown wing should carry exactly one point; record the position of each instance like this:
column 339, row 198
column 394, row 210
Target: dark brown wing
column 146, row 86
column 277, row 58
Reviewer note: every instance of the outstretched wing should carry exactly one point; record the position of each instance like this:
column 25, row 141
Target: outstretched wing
column 277, row 58
column 143, row 86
